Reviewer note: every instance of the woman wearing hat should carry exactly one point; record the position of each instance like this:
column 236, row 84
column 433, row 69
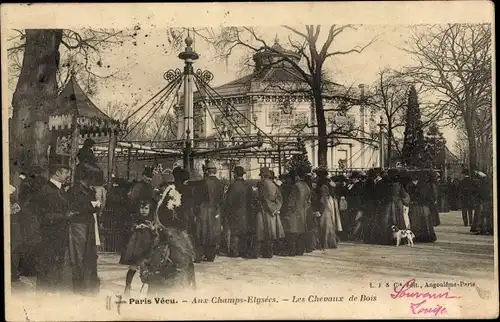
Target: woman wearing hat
column 482, row 223
column 420, row 218
column 328, row 208
column 392, row 199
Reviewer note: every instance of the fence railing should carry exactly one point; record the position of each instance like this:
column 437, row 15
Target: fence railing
column 112, row 237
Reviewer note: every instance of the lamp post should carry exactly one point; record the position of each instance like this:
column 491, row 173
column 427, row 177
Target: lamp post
column 189, row 56
column 381, row 126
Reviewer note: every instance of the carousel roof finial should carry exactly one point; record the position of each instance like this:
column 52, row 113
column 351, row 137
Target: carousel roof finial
column 276, row 39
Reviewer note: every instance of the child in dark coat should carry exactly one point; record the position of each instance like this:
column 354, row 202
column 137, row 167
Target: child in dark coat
column 141, row 241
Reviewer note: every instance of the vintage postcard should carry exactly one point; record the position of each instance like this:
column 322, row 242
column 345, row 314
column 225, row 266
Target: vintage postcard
column 200, row 161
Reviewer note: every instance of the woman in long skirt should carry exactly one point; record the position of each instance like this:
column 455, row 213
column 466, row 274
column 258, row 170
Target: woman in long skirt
column 420, row 219
column 392, row 198
column 329, row 210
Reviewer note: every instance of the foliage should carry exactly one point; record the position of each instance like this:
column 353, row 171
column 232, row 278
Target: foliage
column 414, row 153
column 299, row 161
column 435, row 145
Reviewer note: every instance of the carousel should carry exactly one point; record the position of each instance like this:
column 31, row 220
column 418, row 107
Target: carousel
column 75, row 119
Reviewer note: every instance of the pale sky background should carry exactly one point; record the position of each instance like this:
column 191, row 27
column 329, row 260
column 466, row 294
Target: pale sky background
column 143, row 64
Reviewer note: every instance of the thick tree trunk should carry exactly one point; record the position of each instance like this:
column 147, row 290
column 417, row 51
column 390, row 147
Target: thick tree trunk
column 321, row 123
column 34, row 99
column 471, row 138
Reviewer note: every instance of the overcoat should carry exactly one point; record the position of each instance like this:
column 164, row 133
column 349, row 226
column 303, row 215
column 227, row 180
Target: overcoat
column 391, row 210
column 294, row 214
column 237, row 206
column 267, row 222
column 466, row 189
column 420, row 217
column 209, row 196
column 52, row 206
column 82, row 240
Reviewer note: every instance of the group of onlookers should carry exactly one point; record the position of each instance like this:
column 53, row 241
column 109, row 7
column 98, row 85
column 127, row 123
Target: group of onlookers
column 301, row 212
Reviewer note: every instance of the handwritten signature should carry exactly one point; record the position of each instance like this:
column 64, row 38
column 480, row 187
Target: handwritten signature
column 422, row 306
column 118, row 303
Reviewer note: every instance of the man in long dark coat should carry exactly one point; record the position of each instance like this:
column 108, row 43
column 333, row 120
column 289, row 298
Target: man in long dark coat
column 466, row 197
column 268, row 227
column 209, row 199
column 294, row 215
column 354, row 195
column 370, row 205
column 54, row 273
column 236, row 213
column 81, row 232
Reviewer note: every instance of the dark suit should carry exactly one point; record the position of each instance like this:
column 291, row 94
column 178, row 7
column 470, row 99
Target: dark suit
column 236, row 213
column 293, row 217
column 466, row 198
column 52, row 206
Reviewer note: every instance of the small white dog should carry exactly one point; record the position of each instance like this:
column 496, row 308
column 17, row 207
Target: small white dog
column 402, row 234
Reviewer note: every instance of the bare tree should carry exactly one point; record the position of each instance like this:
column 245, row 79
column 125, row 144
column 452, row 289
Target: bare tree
column 49, row 57
column 454, row 61
column 81, row 54
column 388, row 96
column 310, row 69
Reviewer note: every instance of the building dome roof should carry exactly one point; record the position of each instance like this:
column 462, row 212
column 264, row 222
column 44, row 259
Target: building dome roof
column 275, row 51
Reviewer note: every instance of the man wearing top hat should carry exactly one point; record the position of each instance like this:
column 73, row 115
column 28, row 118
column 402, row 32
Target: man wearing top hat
column 268, row 227
column 236, row 212
column 355, row 197
column 52, row 207
column 209, row 201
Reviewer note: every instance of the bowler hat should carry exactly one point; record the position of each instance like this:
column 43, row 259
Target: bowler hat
column 265, row 172
column 210, row 165
column 239, row 171
column 148, row 171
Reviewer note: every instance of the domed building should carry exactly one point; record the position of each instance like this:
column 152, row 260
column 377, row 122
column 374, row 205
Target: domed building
column 274, row 100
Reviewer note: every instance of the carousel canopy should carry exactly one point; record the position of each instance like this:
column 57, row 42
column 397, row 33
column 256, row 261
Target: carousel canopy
column 74, row 107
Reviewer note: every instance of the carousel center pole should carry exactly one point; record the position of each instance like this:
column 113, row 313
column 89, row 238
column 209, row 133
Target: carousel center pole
column 189, row 56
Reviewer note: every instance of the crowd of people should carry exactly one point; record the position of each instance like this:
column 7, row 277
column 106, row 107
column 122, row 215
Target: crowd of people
column 186, row 218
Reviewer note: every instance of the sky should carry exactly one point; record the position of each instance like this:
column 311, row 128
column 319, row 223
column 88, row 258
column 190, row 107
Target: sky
column 143, row 63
